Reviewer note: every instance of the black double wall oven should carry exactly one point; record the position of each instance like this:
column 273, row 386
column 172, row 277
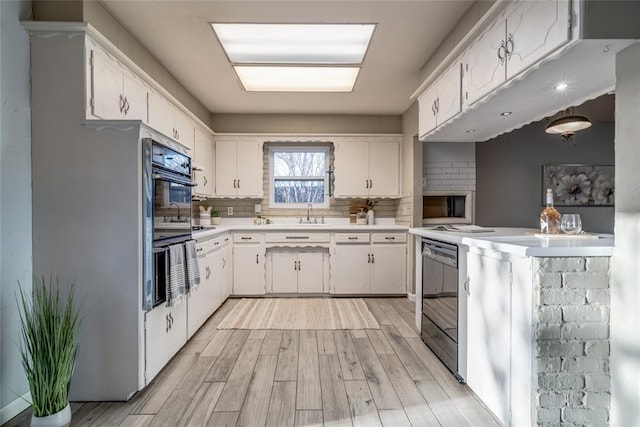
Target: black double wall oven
column 167, row 186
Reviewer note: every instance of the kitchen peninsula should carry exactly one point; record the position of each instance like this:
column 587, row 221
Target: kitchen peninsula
column 533, row 329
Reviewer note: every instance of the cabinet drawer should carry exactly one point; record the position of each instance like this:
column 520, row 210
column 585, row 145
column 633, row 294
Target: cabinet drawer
column 248, row 237
column 298, row 237
column 389, row 238
column 352, row 237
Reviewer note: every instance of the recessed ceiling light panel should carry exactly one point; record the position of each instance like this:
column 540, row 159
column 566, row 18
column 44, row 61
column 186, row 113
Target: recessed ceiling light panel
column 297, row 79
column 294, row 43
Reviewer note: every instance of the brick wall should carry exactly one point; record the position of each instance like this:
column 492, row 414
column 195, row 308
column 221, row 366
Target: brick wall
column 571, row 314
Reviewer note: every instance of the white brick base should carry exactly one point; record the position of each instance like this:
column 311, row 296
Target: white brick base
column 572, row 341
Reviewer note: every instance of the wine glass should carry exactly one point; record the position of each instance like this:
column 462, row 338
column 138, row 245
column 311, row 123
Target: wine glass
column 571, row 223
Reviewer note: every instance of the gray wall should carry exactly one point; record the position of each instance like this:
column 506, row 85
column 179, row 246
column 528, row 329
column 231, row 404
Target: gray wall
column 15, row 198
column 509, row 174
column 305, row 123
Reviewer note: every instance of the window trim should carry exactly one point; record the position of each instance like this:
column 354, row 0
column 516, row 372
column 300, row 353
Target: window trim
column 297, row 148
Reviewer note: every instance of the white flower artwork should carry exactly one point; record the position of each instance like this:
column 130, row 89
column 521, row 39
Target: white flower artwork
column 579, row 185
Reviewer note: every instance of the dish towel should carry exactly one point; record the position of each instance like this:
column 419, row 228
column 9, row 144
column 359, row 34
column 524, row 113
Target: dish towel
column 193, row 269
column 177, row 283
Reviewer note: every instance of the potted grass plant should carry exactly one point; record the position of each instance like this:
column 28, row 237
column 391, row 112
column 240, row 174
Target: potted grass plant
column 215, row 217
column 49, row 348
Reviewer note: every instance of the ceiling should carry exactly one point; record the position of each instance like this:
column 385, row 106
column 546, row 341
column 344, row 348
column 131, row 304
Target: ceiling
column 178, row 34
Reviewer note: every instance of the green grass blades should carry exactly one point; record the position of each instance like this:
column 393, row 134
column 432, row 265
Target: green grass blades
column 49, row 344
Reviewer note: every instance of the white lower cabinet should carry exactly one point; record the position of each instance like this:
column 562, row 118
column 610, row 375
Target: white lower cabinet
column 364, row 263
column 248, row 264
column 207, row 297
column 488, row 332
column 165, row 330
column 297, row 271
column 227, row 270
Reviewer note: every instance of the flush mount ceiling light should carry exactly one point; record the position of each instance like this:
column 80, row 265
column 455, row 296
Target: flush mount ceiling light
column 561, row 86
column 297, row 79
column 268, row 57
column 568, row 125
column 506, row 113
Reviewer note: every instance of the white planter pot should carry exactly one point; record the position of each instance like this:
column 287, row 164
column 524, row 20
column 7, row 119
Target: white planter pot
column 59, row 419
column 215, row 220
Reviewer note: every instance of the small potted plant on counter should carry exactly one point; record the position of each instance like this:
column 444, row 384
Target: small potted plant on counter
column 215, row 217
column 49, row 348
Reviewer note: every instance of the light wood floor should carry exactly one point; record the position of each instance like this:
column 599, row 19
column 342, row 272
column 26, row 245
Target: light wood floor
column 279, row 378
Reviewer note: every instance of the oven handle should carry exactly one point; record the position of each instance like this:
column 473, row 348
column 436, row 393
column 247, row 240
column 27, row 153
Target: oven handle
column 173, row 178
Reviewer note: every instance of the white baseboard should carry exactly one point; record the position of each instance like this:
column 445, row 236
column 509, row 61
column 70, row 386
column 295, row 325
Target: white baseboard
column 412, row 297
column 14, row 408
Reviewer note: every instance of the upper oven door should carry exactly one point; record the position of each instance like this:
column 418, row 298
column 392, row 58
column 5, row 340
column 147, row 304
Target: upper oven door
column 171, row 208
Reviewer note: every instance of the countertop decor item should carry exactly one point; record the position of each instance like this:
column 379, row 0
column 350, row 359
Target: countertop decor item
column 49, row 348
column 579, row 185
column 215, row 217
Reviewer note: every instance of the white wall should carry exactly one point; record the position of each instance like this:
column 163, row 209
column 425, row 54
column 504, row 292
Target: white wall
column 15, row 197
column 625, row 280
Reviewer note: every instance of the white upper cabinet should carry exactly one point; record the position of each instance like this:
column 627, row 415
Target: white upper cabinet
column 441, row 101
column 367, row 169
column 166, row 118
column 530, row 31
column 116, row 93
column 203, row 164
column 239, row 168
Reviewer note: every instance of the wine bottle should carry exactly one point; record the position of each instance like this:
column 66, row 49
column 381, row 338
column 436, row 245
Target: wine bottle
column 550, row 217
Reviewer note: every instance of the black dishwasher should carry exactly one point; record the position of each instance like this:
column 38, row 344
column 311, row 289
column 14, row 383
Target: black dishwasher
column 440, row 301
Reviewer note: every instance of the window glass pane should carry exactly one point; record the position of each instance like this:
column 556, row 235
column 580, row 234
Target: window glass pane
column 299, row 191
column 298, row 163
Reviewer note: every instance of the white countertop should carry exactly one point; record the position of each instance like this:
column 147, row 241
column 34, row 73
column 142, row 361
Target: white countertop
column 515, row 241
column 330, row 227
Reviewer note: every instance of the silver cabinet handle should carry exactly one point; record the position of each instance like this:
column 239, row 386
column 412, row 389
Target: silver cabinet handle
column 466, row 286
column 205, row 181
column 167, row 326
column 121, row 103
column 257, row 259
column 501, row 55
column 126, row 106
column 509, row 50
column 297, row 237
column 433, row 107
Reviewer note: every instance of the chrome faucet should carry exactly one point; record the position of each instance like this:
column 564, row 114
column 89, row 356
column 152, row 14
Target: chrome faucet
column 177, row 206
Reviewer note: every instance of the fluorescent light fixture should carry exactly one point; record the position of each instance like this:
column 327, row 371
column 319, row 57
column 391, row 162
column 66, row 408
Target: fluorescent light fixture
column 294, row 43
column 297, row 79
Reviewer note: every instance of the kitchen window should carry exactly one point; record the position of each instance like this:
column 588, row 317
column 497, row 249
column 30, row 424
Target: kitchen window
column 297, row 176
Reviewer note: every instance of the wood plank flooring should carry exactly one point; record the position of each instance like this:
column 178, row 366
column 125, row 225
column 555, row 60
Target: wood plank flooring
column 384, row 377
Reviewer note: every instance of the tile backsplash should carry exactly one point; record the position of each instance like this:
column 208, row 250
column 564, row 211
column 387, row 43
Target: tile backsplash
column 449, row 166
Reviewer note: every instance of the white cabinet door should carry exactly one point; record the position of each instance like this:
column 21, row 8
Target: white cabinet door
column 160, row 114
column 388, row 269
column 165, row 334
column 352, row 169
column 135, row 93
column 217, row 271
column 227, row 272
column 183, row 129
column 535, row 29
column 449, row 101
column 427, row 110
column 250, row 162
column 226, row 181
column 350, row 269
column 488, row 332
column 284, row 271
column 203, row 157
column 384, row 169
column 106, row 88
column 248, row 269
column 200, row 298
column 483, row 69
column 310, row 272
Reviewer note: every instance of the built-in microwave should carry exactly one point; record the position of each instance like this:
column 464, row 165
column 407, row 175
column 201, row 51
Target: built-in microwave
column 447, row 207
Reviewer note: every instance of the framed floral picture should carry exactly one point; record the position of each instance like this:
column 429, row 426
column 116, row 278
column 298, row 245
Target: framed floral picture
column 579, row 185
